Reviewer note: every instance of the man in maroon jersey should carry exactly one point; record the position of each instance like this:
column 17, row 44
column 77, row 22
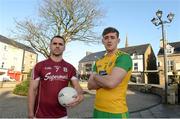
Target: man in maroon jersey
column 48, row 78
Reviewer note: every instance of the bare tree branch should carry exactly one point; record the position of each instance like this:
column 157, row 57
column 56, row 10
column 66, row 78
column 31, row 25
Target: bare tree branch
column 72, row 19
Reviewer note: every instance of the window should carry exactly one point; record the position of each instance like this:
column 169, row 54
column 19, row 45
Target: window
column 159, row 64
column 88, row 67
column 170, row 65
column 5, row 48
column 135, row 55
column 170, row 50
column 135, row 66
column 2, row 65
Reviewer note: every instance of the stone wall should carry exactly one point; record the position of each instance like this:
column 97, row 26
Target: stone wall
column 147, row 88
column 8, row 84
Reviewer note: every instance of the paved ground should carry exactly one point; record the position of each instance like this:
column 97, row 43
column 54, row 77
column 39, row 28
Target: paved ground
column 141, row 105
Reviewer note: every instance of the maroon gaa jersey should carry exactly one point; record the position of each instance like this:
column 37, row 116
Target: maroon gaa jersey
column 53, row 77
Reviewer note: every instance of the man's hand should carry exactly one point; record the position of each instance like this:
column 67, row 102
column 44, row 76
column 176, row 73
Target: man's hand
column 78, row 99
column 30, row 116
column 92, row 83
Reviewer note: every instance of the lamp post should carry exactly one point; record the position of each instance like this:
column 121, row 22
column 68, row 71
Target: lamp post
column 158, row 21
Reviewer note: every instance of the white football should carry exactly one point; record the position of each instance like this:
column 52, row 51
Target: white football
column 66, row 95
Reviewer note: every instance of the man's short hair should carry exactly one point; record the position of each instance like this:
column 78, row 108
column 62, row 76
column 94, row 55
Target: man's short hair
column 110, row 30
column 58, row 36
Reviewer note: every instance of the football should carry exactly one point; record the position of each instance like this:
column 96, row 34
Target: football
column 66, row 95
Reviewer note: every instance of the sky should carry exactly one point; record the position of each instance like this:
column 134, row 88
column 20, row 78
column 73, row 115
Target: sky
column 131, row 17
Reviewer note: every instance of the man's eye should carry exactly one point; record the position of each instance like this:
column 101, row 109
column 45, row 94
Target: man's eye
column 58, row 44
column 106, row 37
column 112, row 37
column 61, row 44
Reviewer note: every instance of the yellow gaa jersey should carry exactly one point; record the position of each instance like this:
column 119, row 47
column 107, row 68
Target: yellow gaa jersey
column 113, row 100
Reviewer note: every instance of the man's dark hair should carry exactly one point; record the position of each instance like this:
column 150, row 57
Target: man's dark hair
column 58, row 36
column 110, row 30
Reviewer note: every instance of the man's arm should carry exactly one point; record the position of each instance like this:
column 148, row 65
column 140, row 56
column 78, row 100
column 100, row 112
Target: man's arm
column 123, row 64
column 32, row 92
column 111, row 80
column 92, row 83
column 80, row 96
column 77, row 87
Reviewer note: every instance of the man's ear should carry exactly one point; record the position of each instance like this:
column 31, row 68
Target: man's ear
column 49, row 46
column 118, row 40
column 102, row 41
column 64, row 47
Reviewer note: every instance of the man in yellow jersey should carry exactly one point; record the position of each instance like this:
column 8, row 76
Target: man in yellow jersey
column 110, row 78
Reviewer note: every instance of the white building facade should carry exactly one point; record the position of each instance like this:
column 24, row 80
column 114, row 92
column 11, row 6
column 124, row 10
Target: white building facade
column 15, row 59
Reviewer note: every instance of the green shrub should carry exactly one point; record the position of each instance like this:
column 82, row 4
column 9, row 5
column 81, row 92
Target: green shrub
column 22, row 88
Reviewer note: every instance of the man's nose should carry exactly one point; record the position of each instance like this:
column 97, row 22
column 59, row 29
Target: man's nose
column 109, row 40
column 57, row 45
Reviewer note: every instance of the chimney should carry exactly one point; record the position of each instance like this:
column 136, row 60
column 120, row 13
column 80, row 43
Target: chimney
column 88, row 53
column 126, row 44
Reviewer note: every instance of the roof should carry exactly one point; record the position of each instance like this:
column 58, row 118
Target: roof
column 16, row 44
column 176, row 46
column 92, row 56
column 138, row 49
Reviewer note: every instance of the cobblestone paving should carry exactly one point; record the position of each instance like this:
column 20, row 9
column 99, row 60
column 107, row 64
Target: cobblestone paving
column 13, row 106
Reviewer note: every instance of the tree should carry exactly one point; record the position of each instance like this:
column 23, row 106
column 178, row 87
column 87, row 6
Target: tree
column 72, row 19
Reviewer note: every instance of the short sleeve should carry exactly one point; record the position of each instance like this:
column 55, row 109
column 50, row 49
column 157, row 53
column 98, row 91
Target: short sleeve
column 124, row 61
column 36, row 74
column 73, row 74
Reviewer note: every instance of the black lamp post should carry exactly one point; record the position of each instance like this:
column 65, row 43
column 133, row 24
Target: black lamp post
column 158, row 21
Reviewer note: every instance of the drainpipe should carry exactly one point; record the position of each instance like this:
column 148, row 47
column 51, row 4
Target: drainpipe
column 144, row 69
column 22, row 66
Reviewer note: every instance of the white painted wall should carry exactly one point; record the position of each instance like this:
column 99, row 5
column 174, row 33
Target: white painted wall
column 11, row 56
column 139, row 60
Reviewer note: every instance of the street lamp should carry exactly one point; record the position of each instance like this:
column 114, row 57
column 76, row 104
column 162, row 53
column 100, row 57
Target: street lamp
column 158, row 21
